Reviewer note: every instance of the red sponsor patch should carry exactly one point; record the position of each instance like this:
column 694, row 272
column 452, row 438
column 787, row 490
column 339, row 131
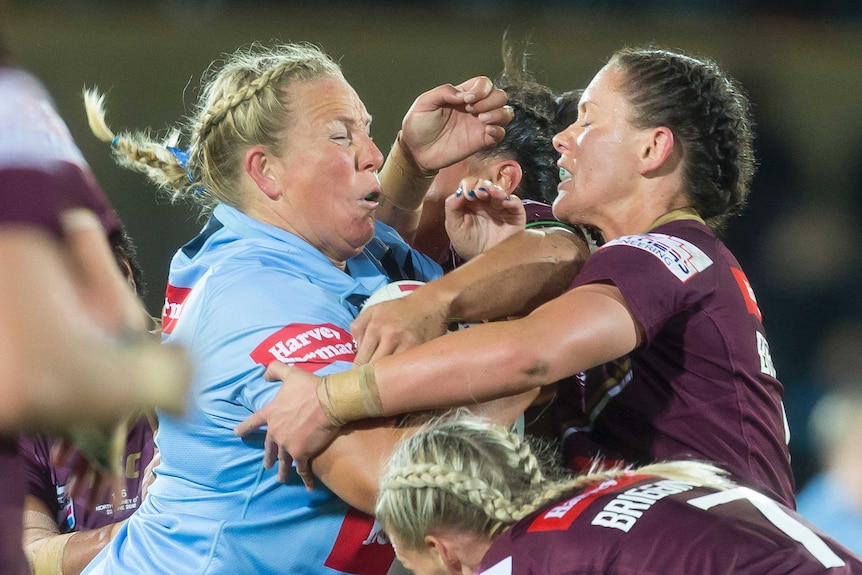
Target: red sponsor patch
column 747, row 293
column 307, row 346
column 361, row 548
column 175, row 297
column 560, row 516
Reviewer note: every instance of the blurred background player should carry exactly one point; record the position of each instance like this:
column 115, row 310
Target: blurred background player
column 832, row 499
column 79, row 525
column 65, row 309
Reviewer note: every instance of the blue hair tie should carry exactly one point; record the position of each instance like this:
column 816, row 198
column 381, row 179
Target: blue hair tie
column 115, row 141
column 182, row 157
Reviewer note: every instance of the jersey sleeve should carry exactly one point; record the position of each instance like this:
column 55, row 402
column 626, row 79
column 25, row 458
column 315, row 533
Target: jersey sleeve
column 658, row 275
column 35, row 451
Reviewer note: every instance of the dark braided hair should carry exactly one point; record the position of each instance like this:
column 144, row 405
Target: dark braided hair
column 709, row 115
column 529, row 135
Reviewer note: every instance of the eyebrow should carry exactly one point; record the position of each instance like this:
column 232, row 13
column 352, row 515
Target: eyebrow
column 352, row 121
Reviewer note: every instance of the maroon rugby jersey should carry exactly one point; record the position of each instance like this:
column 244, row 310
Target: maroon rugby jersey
column 655, row 526
column 42, row 173
column 702, row 385
column 47, row 482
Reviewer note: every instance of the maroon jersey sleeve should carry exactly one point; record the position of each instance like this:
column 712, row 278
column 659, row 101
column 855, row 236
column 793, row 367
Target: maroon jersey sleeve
column 42, row 172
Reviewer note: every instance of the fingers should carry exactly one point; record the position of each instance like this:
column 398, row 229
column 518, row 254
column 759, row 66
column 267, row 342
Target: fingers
column 303, row 468
column 252, row 423
column 284, row 465
column 272, row 451
column 277, row 370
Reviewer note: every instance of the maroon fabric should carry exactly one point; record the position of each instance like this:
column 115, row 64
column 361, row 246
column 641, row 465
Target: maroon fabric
column 12, row 560
column 47, row 482
column 702, row 385
column 42, row 172
column 647, row 525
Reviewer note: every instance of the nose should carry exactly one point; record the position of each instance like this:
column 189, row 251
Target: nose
column 370, row 158
column 562, row 141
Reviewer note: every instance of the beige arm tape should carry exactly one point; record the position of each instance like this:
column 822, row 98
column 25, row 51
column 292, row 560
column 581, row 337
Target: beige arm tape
column 403, row 181
column 350, row 395
column 43, row 544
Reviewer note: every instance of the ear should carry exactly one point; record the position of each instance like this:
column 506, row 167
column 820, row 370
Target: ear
column 445, row 552
column 263, row 170
column 657, row 150
column 507, row 174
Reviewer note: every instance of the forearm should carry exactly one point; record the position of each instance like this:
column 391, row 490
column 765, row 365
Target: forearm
column 51, row 553
column 582, row 328
column 512, row 278
column 404, row 184
column 57, row 363
column 85, row 545
column 352, row 464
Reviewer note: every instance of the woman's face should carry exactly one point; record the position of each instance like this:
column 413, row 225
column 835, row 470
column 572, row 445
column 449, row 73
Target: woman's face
column 599, row 155
column 328, row 170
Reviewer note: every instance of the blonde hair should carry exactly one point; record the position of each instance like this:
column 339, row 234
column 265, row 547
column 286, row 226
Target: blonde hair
column 243, row 103
column 462, row 472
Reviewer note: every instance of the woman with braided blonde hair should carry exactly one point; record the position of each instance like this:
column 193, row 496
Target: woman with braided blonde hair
column 464, row 495
column 281, row 159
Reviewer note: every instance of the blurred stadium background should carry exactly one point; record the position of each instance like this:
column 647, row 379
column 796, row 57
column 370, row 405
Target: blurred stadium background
column 800, row 61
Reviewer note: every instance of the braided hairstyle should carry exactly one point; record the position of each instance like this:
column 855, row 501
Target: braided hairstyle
column 243, row 103
column 461, row 472
column 709, row 115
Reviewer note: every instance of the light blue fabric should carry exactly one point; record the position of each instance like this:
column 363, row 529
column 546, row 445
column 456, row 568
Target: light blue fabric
column 241, row 294
column 824, row 503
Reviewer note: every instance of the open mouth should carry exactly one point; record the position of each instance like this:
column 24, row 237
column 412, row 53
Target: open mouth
column 565, row 174
column 372, row 196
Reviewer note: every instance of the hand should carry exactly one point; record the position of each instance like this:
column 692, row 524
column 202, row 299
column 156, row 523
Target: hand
column 397, row 325
column 297, row 428
column 91, row 473
column 449, row 123
column 480, row 215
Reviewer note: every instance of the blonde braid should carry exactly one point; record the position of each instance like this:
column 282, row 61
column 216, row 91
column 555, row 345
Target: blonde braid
column 473, row 490
column 461, row 472
column 136, row 150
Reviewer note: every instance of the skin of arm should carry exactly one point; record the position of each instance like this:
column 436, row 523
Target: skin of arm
column 509, row 280
column 77, row 549
column 82, row 355
column 585, row 327
column 352, row 464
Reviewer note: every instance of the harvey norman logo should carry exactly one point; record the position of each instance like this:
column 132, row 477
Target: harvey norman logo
column 308, row 346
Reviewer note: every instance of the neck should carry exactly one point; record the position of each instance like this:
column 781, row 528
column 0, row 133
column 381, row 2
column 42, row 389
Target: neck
column 686, row 213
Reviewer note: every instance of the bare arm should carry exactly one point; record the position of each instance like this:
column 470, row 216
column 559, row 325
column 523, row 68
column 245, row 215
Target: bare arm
column 510, row 279
column 583, row 328
column 352, row 464
column 59, row 358
column 52, row 553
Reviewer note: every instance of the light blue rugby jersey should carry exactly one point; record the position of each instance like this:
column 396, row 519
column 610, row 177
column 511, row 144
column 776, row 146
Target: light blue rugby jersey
column 241, row 294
